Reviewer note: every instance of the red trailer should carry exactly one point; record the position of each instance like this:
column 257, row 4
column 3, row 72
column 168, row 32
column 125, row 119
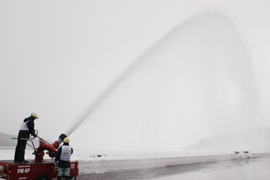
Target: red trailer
column 39, row 168
column 44, row 170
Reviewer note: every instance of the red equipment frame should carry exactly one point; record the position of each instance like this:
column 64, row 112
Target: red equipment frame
column 44, row 170
column 38, row 169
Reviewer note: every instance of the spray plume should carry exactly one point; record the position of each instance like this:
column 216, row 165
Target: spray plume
column 192, row 83
column 103, row 94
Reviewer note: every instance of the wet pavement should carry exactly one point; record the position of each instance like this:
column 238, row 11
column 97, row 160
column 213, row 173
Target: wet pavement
column 246, row 169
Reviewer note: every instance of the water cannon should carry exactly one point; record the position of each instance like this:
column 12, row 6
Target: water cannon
column 51, row 148
column 40, row 169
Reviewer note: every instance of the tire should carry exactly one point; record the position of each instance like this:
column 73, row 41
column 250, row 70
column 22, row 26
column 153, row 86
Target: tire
column 43, row 176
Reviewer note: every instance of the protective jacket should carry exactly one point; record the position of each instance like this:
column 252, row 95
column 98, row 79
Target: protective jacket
column 27, row 128
column 28, row 125
column 63, row 156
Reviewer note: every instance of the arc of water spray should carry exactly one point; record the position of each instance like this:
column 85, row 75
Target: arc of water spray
column 102, row 95
column 109, row 89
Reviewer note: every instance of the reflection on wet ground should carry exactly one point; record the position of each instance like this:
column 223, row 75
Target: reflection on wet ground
column 255, row 168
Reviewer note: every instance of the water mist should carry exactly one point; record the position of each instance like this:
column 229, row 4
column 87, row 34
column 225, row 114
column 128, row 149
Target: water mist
column 195, row 82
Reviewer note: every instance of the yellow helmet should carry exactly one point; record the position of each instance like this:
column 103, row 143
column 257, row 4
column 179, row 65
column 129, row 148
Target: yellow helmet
column 66, row 140
column 34, row 115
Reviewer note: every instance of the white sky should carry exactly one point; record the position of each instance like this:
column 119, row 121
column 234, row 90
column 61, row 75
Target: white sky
column 56, row 56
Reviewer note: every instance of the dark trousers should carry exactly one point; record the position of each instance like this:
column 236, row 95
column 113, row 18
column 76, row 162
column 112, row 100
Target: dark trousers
column 20, row 148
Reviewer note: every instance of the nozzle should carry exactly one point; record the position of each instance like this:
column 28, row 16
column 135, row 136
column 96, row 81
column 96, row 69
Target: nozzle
column 62, row 137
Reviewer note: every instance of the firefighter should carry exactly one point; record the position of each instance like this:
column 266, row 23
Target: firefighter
column 62, row 159
column 27, row 128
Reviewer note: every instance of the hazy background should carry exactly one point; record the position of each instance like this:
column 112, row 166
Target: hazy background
column 57, row 56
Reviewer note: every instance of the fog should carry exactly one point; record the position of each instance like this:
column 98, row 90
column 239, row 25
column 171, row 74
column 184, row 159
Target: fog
column 202, row 71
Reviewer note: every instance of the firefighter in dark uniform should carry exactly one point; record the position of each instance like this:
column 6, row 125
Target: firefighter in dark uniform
column 27, row 128
column 62, row 159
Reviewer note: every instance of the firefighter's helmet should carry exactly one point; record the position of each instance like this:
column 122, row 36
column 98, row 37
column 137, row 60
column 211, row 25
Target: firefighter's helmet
column 66, row 140
column 34, row 115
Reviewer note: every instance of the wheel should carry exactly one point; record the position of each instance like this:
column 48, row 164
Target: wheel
column 43, row 176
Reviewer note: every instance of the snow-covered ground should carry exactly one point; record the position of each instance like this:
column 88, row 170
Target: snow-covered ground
column 102, row 161
column 98, row 155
